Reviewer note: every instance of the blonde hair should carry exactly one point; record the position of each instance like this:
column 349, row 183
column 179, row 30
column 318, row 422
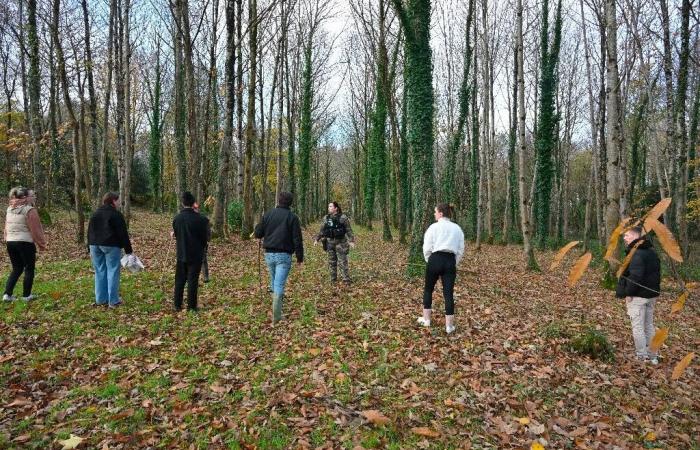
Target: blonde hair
column 18, row 192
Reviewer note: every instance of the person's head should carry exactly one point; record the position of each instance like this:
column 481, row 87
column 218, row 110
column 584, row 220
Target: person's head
column 632, row 235
column 187, row 199
column 443, row 210
column 285, row 199
column 112, row 199
column 334, row 208
column 18, row 193
column 195, row 206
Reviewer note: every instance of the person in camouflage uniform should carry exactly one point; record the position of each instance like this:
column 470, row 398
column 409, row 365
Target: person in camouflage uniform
column 337, row 238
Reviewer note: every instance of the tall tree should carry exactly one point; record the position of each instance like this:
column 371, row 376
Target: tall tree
column 547, row 120
column 414, row 16
column 526, row 229
column 34, row 87
column 250, row 133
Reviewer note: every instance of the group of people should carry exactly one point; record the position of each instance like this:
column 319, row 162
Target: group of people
column 280, row 235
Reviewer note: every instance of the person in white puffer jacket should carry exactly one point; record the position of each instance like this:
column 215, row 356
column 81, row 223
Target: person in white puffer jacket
column 23, row 233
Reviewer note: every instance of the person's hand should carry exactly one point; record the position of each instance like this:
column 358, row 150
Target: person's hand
column 172, row 233
column 300, row 263
column 315, row 243
column 352, row 245
column 628, row 299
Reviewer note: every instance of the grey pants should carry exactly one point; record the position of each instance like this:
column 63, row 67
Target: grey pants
column 641, row 313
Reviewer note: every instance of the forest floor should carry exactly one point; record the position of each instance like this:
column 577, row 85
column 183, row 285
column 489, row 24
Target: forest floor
column 347, row 367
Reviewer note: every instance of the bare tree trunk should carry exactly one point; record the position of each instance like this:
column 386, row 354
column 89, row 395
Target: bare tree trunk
column 524, row 200
column 92, row 104
column 108, row 92
column 615, row 139
column 225, row 151
column 77, row 167
column 250, row 134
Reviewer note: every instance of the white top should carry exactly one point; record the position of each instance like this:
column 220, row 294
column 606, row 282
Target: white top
column 443, row 236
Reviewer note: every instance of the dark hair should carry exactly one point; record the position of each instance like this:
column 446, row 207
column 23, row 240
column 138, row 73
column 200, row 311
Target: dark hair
column 446, row 209
column 637, row 229
column 109, row 198
column 285, row 199
column 187, row 199
column 337, row 205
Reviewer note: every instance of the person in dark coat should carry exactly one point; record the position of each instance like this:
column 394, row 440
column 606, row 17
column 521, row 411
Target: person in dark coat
column 280, row 235
column 107, row 236
column 640, row 286
column 191, row 232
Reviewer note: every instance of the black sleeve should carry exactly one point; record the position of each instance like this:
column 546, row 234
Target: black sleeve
column 297, row 239
column 635, row 276
column 259, row 231
column 123, row 233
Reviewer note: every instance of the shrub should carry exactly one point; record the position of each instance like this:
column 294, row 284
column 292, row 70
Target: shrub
column 234, row 215
column 593, row 343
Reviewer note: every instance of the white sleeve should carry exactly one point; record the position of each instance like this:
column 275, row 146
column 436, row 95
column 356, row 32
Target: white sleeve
column 460, row 245
column 428, row 243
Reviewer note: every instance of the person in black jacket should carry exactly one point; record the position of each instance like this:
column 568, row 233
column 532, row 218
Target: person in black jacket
column 640, row 286
column 107, row 235
column 191, row 231
column 280, row 232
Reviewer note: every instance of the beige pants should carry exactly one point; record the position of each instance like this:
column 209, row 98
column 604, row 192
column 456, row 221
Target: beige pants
column 641, row 313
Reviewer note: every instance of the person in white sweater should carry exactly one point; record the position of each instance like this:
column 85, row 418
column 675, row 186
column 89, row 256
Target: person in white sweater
column 443, row 248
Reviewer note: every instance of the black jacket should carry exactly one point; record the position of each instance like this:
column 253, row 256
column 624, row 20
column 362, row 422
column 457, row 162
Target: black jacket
column 107, row 227
column 281, row 231
column 191, row 233
column 642, row 278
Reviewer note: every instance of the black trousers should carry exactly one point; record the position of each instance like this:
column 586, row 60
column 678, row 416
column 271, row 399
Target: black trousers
column 440, row 265
column 187, row 273
column 23, row 259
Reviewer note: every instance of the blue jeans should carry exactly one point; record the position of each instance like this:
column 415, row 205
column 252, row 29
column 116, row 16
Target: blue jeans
column 279, row 265
column 106, row 262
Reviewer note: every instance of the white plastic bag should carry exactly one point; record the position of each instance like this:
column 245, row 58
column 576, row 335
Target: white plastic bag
column 132, row 263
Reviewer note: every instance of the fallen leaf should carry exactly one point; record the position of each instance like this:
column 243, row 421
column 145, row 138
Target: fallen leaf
column 666, row 239
column 655, row 212
column 650, row 436
column 524, row 420
column 682, row 365
column 425, row 431
column 375, row 417
column 536, row 446
column 678, row 305
column 71, row 443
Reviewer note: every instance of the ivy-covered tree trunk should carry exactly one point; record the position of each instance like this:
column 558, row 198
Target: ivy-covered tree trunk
column 474, row 173
column 457, row 138
column 547, row 130
column 180, row 117
column 34, row 85
column 415, row 20
column 511, row 206
column 306, row 140
column 155, row 139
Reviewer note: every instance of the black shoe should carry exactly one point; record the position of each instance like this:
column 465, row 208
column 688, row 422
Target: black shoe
column 177, row 309
column 347, row 282
column 206, row 279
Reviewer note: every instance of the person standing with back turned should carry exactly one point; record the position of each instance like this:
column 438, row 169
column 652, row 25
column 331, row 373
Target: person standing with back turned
column 443, row 248
column 23, row 234
column 191, row 231
column 280, row 232
column 107, row 235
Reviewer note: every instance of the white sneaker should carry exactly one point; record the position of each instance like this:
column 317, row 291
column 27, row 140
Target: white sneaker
column 653, row 361
column 422, row 322
column 449, row 329
column 29, row 298
column 8, row 298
